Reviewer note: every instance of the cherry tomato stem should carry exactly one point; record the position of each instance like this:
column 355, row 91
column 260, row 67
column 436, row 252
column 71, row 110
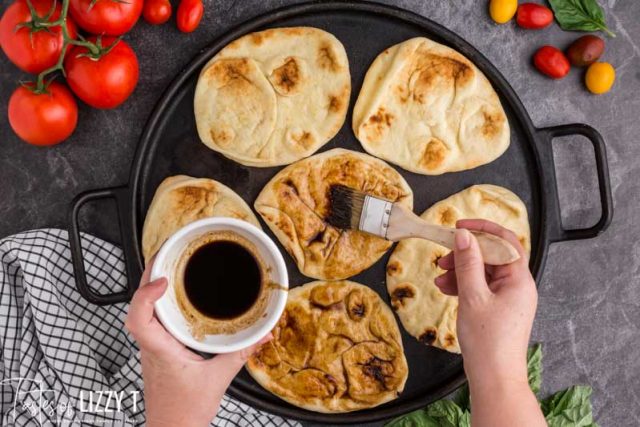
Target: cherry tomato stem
column 31, row 47
column 107, row 81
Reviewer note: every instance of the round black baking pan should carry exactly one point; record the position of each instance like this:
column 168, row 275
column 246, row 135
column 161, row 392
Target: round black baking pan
column 169, row 145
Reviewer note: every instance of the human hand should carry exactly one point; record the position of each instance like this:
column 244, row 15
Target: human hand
column 497, row 305
column 181, row 388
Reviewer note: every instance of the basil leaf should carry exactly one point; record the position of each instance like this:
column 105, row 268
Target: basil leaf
column 448, row 414
column 534, row 367
column 579, row 15
column 569, row 408
column 417, row 418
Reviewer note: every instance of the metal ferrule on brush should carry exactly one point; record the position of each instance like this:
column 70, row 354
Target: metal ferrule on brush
column 375, row 216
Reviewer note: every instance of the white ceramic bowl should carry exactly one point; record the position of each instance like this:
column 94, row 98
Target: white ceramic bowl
column 167, row 308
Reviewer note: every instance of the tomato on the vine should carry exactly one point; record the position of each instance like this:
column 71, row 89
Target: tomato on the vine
column 32, row 51
column 156, row 12
column 189, row 15
column 106, row 81
column 108, row 17
column 43, row 118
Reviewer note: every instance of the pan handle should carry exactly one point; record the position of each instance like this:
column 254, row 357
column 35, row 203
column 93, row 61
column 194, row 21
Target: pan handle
column 557, row 232
column 121, row 197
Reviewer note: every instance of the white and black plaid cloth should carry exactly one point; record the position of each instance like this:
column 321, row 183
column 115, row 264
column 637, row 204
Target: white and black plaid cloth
column 61, row 354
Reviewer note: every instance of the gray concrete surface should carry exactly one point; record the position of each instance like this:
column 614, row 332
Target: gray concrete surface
column 589, row 305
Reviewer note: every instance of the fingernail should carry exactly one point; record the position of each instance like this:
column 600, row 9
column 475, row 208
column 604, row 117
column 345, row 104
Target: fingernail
column 462, row 239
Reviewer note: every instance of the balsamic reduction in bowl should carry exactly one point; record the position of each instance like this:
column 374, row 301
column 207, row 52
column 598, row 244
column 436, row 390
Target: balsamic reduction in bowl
column 222, row 279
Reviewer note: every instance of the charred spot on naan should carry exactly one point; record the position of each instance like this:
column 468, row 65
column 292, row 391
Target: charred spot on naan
column 188, row 198
column 447, row 216
column 358, row 305
column 429, row 336
column 394, row 268
column 222, row 136
column 450, row 341
column 493, row 124
column 327, row 58
column 338, row 102
column 301, row 139
column 227, row 70
column 288, row 78
column 402, row 292
column 377, row 125
column 432, row 70
column 434, row 154
column 372, row 369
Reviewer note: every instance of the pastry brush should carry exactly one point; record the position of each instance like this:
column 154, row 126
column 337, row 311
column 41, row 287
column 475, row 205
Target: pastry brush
column 352, row 209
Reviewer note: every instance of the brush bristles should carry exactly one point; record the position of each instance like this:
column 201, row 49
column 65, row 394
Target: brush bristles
column 346, row 207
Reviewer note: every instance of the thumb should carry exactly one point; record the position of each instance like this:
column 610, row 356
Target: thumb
column 227, row 365
column 469, row 266
column 142, row 304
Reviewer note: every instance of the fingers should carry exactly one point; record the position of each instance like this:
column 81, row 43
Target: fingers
column 469, row 267
column 227, row 366
column 147, row 272
column 141, row 308
column 447, row 283
column 495, row 229
column 447, row 262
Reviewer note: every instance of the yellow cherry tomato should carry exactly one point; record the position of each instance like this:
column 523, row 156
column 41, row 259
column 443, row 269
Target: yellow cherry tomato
column 502, row 11
column 600, row 77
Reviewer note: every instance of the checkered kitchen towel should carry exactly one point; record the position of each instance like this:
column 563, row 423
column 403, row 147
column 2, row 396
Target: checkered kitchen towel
column 65, row 361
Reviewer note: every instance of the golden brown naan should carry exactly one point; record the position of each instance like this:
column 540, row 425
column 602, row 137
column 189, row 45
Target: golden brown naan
column 428, row 109
column 336, row 348
column 180, row 200
column 273, row 97
column 295, row 205
column 425, row 312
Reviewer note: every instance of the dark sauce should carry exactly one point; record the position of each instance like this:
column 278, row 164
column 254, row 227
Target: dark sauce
column 222, row 279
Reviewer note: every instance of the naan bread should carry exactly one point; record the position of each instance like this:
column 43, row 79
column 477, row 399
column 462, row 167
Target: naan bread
column 425, row 312
column 273, row 97
column 295, row 205
column 428, row 109
column 336, row 348
column 181, row 200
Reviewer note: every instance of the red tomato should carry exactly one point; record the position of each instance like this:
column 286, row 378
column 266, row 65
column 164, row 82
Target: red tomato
column 109, row 17
column 105, row 82
column 39, row 50
column 552, row 62
column 43, row 119
column 534, row 16
column 156, row 12
column 189, row 15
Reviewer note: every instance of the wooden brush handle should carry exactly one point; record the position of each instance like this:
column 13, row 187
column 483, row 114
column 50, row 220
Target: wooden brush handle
column 405, row 224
